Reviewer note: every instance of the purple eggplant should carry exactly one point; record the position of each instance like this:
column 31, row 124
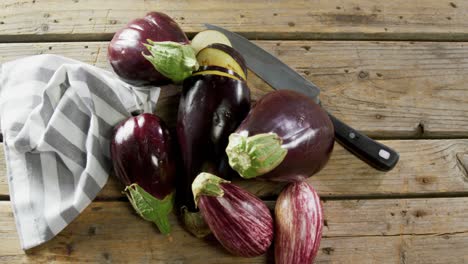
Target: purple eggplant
column 210, row 109
column 129, row 45
column 285, row 137
column 240, row 221
column 298, row 224
column 143, row 158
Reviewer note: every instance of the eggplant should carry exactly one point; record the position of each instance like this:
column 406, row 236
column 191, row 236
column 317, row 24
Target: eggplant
column 285, row 137
column 144, row 162
column 223, row 56
column 208, row 37
column 129, row 46
column 298, row 224
column 240, row 221
column 210, row 109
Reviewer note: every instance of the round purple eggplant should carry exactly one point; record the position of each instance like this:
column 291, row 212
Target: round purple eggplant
column 210, row 109
column 240, row 221
column 285, row 137
column 143, row 159
column 125, row 51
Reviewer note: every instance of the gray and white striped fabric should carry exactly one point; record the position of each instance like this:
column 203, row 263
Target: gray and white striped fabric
column 56, row 117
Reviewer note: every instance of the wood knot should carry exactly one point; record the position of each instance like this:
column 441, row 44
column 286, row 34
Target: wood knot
column 92, row 231
column 363, row 75
column 44, row 27
column 106, row 256
column 419, row 213
column 421, row 128
column 291, row 24
column 112, row 21
column 425, row 180
column 328, row 250
column 453, row 5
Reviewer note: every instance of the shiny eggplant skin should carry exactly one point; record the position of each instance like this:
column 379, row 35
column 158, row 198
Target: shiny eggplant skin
column 239, row 220
column 142, row 152
column 210, row 109
column 298, row 224
column 304, row 127
column 125, row 49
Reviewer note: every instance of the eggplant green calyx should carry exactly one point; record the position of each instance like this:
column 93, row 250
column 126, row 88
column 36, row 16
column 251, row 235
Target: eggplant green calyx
column 195, row 223
column 150, row 208
column 207, row 184
column 256, row 155
column 174, row 60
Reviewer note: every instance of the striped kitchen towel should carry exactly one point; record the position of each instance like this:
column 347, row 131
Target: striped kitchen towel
column 56, row 116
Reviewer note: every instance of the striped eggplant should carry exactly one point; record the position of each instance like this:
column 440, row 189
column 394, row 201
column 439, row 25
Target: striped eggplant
column 298, row 224
column 240, row 221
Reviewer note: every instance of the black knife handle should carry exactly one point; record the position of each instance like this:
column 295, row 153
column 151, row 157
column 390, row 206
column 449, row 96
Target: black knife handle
column 372, row 152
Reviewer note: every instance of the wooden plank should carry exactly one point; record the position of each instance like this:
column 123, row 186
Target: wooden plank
column 426, row 167
column 34, row 20
column 385, row 89
column 357, row 231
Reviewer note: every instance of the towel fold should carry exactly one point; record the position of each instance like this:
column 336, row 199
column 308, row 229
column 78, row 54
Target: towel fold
column 56, row 116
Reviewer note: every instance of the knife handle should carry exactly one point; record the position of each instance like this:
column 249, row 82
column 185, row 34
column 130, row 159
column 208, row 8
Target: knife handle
column 372, row 152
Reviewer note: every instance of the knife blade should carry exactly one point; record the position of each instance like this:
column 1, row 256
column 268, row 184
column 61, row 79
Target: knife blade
column 280, row 76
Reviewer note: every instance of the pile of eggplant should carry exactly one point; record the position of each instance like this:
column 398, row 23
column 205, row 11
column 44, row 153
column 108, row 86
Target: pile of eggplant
column 220, row 134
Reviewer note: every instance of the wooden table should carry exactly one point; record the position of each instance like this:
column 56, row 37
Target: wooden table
column 396, row 70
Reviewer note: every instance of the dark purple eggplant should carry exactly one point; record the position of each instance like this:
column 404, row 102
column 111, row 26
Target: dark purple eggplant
column 285, row 137
column 125, row 51
column 210, row 109
column 298, row 224
column 143, row 158
column 240, row 221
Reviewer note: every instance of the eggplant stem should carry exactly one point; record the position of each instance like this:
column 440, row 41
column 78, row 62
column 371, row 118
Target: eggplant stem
column 150, row 208
column 207, row 184
column 256, row 155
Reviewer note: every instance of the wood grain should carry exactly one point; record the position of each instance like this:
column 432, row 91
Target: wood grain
column 34, row 20
column 361, row 231
column 384, row 89
column 426, row 167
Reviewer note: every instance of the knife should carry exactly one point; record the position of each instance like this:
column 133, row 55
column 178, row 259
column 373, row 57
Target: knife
column 280, row 76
